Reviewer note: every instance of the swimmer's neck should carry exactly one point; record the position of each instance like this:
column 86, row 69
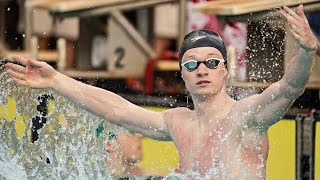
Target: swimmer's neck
column 213, row 105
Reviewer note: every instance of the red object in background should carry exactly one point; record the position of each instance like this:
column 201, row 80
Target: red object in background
column 199, row 20
column 149, row 72
column 233, row 34
column 135, row 84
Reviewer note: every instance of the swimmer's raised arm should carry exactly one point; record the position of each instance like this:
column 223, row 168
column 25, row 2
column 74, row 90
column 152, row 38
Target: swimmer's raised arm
column 270, row 106
column 110, row 106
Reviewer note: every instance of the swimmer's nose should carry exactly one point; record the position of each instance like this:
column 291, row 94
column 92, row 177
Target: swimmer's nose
column 202, row 70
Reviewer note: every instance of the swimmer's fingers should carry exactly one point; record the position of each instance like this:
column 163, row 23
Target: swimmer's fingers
column 308, row 39
column 292, row 13
column 296, row 23
column 16, row 74
column 27, row 61
column 289, row 18
column 18, row 77
column 295, row 35
column 285, row 14
column 20, row 81
column 301, row 14
column 20, row 60
column 16, row 67
column 302, row 22
column 300, row 28
column 35, row 63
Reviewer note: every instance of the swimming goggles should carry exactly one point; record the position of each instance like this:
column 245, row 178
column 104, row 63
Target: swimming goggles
column 211, row 63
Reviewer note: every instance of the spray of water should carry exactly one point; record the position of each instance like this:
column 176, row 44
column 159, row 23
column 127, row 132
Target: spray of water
column 68, row 146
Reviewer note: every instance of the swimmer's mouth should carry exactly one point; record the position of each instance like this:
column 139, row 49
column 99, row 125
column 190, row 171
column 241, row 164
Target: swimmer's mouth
column 203, row 82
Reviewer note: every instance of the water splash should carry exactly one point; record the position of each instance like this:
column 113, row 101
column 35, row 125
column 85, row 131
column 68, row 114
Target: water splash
column 67, row 147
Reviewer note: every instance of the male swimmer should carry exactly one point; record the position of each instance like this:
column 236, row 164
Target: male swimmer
column 221, row 138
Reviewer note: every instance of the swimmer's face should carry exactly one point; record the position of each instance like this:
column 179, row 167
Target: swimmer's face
column 203, row 80
column 130, row 146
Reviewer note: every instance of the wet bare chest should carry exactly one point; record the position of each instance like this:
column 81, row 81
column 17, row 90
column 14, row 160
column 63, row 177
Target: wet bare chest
column 202, row 149
column 202, row 146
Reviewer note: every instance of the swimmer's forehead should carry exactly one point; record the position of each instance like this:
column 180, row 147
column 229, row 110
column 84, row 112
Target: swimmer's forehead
column 201, row 53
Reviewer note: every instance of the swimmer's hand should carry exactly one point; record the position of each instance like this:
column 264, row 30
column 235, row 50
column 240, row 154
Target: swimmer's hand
column 31, row 73
column 300, row 28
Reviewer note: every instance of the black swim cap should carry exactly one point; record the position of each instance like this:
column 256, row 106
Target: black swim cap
column 202, row 38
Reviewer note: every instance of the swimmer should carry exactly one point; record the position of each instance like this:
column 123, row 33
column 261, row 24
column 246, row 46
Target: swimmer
column 125, row 152
column 221, row 138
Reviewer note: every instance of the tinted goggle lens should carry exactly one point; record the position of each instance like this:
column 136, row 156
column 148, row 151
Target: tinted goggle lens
column 211, row 63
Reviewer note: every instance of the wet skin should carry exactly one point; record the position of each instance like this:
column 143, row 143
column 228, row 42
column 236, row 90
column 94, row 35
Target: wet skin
column 223, row 147
column 125, row 151
column 216, row 138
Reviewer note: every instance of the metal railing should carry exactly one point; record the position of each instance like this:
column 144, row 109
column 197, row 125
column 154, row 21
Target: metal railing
column 303, row 135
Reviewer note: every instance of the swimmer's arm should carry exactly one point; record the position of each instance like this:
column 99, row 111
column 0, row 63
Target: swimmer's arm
column 270, row 106
column 114, row 108
column 106, row 104
column 265, row 109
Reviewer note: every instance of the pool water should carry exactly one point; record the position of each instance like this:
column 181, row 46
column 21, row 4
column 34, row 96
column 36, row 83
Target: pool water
column 67, row 146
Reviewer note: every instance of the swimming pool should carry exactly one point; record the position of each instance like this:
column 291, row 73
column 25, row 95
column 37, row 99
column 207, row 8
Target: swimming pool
column 68, row 147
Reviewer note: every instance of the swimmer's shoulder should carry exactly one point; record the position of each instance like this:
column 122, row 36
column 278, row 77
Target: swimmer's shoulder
column 178, row 111
column 175, row 114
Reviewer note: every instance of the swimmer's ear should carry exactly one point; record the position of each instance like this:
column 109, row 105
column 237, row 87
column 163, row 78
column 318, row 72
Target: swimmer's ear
column 225, row 72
